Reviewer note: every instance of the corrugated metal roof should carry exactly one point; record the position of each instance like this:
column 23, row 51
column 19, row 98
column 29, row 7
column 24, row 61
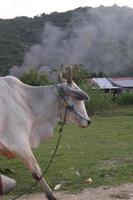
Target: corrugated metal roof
column 126, row 82
column 122, row 78
column 104, row 83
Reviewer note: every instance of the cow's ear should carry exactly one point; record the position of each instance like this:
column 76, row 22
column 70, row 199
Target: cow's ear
column 78, row 95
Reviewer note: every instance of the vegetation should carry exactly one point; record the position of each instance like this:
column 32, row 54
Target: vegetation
column 19, row 34
column 99, row 100
column 16, row 36
column 34, row 78
column 102, row 152
column 125, row 99
column 80, row 75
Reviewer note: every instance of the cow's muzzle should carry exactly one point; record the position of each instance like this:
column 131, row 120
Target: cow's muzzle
column 84, row 123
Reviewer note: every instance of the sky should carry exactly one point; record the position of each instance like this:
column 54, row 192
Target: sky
column 31, row 8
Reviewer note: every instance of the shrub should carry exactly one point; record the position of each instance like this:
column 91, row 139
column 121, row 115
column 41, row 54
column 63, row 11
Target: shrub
column 80, row 75
column 99, row 101
column 125, row 99
column 34, row 78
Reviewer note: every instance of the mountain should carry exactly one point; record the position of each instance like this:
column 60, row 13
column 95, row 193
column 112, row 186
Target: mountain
column 99, row 38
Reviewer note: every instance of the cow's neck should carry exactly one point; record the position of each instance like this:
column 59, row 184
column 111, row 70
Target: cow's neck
column 44, row 103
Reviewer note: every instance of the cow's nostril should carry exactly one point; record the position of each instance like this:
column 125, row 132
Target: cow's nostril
column 89, row 122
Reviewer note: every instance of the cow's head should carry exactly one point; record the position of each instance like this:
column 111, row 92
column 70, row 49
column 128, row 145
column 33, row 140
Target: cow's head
column 74, row 97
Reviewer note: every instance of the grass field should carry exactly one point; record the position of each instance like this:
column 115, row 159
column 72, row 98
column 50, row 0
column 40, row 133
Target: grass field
column 103, row 152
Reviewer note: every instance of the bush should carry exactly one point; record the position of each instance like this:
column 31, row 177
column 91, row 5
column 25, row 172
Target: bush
column 80, row 75
column 34, row 78
column 99, row 101
column 125, row 99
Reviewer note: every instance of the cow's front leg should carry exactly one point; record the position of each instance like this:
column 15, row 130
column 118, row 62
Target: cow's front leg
column 33, row 166
column 44, row 185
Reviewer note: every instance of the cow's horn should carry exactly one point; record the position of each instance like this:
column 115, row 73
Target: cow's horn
column 60, row 75
column 69, row 77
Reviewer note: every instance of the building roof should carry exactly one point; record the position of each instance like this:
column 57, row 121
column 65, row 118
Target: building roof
column 124, row 82
column 103, row 83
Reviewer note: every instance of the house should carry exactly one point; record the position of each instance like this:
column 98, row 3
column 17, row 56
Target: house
column 126, row 83
column 116, row 84
column 105, row 84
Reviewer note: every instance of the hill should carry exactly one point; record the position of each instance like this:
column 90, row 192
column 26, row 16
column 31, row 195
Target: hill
column 99, row 38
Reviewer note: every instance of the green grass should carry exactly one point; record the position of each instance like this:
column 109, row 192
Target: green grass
column 104, row 152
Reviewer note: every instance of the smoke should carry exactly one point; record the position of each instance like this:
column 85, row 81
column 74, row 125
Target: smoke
column 99, row 38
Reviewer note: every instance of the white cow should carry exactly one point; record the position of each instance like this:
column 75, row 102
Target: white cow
column 28, row 115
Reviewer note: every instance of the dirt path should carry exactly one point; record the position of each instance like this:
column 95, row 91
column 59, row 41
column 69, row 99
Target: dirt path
column 124, row 192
